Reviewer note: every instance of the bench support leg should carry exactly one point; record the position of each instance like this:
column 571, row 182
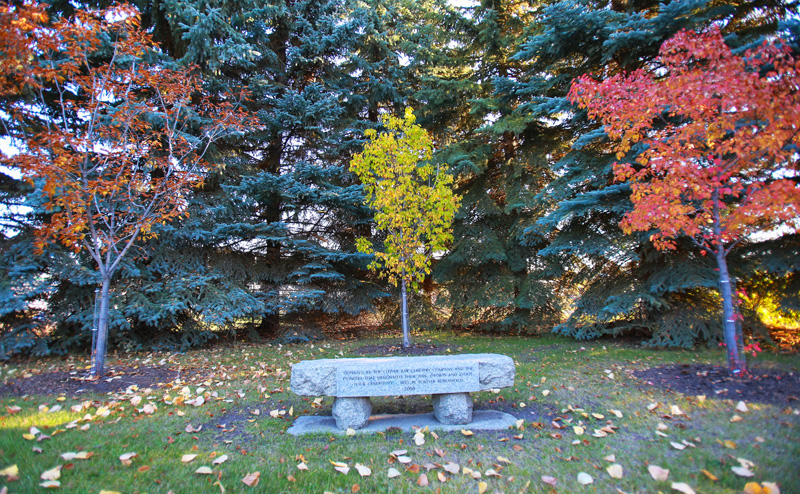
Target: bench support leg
column 454, row 408
column 351, row 413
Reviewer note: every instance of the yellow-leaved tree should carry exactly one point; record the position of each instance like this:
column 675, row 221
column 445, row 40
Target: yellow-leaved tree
column 413, row 201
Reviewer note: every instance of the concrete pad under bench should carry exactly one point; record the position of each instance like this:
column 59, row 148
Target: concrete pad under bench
column 448, row 378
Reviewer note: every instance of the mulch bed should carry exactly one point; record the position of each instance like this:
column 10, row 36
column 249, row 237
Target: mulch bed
column 761, row 386
column 76, row 383
column 416, row 349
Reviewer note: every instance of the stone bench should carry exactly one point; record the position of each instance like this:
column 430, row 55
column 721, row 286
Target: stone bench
column 448, row 378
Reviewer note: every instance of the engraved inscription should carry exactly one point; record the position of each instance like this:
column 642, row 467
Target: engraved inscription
column 399, row 379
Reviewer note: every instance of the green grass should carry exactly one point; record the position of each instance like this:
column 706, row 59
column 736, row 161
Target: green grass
column 242, row 380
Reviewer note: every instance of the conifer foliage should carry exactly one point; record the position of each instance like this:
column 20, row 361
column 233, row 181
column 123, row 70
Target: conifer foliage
column 720, row 157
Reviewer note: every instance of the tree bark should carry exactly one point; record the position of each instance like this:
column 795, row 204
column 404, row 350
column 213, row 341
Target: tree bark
column 404, row 312
column 99, row 361
column 731, row 329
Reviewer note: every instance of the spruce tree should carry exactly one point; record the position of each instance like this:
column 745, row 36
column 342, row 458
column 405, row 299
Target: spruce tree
column 619, row 282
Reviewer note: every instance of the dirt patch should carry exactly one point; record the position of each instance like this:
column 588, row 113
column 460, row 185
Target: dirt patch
column 761, row 386
column 78, row 382
column 397, row 349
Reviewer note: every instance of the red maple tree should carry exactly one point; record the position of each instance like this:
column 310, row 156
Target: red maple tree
column 718, row 155
column 114, row 140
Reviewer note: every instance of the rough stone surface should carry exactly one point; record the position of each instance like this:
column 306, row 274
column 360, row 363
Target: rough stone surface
column 388, row 376
column 482, row 420
column 455, row 408
column 351, row 413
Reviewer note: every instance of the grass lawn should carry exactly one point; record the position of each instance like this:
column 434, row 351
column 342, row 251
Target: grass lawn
column 231, row 407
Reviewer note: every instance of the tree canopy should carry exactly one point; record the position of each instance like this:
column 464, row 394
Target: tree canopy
column 264, row 244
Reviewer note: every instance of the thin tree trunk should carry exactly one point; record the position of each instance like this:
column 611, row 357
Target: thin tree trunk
column 732, row 330
column 99, row 363
column 404, row 312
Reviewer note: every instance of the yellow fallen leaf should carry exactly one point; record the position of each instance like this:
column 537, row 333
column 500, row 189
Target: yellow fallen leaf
column 451, row 467
column 753, row 488
column 103, row 491
column 482, row 486
column 676, row 411
column 362, row 470
column 598, row 416
column 11, row 471
column 503, row 459
column 442, row 477
column 736, row 418
column 419, row 439
column 710, row 475
column 29, row 437
column 188, row 458
column 729, row 444
column 467, row 432
column 682, row 487
column 51, row 484
column 545, row 392
column 578, row 430
column 585, row 478
column 52, row 474
column 658, row 473
column 741, row 407
column 219, row 461
column 204, row 471
column 612, row 458
column 392, row 473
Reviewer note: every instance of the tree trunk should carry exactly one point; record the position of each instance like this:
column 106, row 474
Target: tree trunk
column 732, row 330
column 99, row 361
column 404, row 312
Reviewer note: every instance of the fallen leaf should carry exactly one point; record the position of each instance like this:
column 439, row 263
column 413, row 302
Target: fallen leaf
column 678, row 446
column 392, row 473
column 545, row 392
column 467, row 432
column 188, row 458
column 12, row 471
column 350, row 432
column 578, row 430
column 612, row 458
column 503, row 459
column 770, row 488
column 363, row 470
column 710, row 475
column 585, row 478
column 741, row 407
column 419, row 439
column 190, row 429
column 422, row 481
column 205, row 471
column 355, row 488
column 729, row 444
column 658, row 473
column 482, row 487
column 13, row 409
column 219, row 461
column 736, row 418
column 251, row 479
column 302, row 466
column 652, row 406
column 51, row 484
column 404, row 459
column 52, row 474
column 615, row 471
column 753, row 488
column 682, row 487
column 148, row 409
column 451, row 467
column 343, row 469
column 742, row 471
column 549, row 480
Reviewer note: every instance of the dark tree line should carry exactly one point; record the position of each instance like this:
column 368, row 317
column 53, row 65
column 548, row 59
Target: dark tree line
column 269, row 243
